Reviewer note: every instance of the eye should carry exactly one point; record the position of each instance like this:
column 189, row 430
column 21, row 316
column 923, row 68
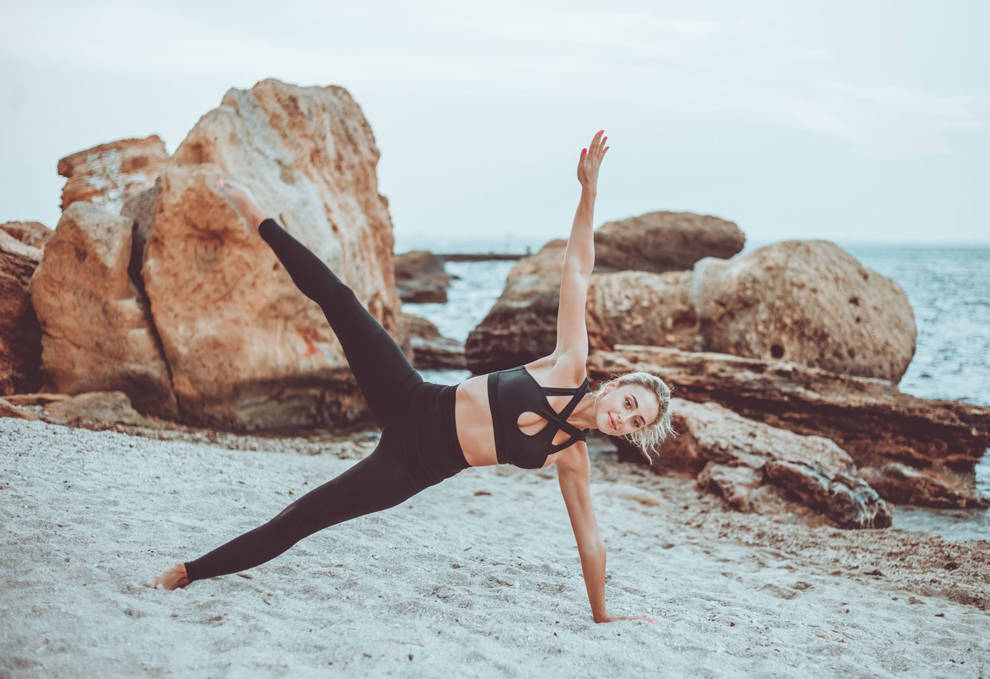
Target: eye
column 628, row 402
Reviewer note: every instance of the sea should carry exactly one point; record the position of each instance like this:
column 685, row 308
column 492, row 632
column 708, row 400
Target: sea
column 949, row 290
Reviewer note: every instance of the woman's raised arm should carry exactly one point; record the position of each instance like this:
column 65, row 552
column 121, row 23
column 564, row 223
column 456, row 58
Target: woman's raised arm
column 579, row 258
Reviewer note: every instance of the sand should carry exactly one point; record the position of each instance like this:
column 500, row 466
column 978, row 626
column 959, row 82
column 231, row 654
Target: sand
column 478, row 576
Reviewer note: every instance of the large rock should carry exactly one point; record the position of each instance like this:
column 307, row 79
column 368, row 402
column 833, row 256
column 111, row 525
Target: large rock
column 808, row 302
column 246, row 348
column 20, row 335
column 431, row 349
column 34, row 234
column 108, row 174
column 96, row 410
column 665, row 241
column 96, row 330
column 868, row 418
column 420, row 277
column 740, row 458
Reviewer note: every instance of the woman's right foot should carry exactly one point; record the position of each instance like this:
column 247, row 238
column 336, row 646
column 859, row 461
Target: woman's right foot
column 174, row 578
column 242, row 200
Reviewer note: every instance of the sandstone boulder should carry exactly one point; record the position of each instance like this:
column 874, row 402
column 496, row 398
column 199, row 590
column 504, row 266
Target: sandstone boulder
column 739, row 457
column 245, row 347
column 420, row 277
column 34, row 234
column 108, row 174
column 8, row 409
column 868, row 418
column 664, row 241
column 807, row 302
column 20, row 335
column 96, row 410
column 96, row 333
column 430, row 348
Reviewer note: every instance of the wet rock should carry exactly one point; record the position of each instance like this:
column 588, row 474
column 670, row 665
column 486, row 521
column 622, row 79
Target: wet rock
column 868, row 418
column 20, row 334
column 807, row 302
column 420, row 277
column 96, row 330
column 96, row 410
column 664, row 241
column 742, row 456
column 106, row 175
column 247, row 349
column 430, row 348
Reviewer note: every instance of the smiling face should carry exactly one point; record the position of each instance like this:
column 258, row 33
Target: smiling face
column 626, row 408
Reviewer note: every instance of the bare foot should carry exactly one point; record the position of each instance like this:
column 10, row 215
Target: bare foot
column 242, row 200
column 174, row 578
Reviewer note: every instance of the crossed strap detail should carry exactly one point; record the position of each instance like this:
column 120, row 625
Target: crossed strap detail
column 560, row 419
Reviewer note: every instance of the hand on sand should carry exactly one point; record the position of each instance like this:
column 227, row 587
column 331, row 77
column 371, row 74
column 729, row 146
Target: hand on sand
column 616, row 618
column 242, row 200
column 590, row 160
column 174, row 578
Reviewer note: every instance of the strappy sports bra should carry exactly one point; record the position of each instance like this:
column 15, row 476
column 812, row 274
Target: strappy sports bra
column 515, row 391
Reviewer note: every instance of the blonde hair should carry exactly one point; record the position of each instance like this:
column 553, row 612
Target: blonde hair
column 649, row 438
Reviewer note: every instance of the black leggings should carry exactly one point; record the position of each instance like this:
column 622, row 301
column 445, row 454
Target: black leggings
column 418, row 447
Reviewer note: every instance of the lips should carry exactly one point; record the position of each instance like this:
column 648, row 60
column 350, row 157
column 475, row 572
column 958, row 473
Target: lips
column 611, row 421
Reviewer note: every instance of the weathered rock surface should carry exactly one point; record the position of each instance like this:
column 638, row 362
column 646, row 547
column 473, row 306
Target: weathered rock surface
column 96, row 410
column 20, row 335
column 808, row 302
column 868, row 418
column 739, row 458
column 34, row 234
column 245, row 347
column 8, row 409
column 420, row 277
column 665, row 241
column 108, row 174
column 96, row 333
column 430, row 348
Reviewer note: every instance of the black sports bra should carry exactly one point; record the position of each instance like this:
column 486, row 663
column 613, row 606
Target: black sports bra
column 515, row 391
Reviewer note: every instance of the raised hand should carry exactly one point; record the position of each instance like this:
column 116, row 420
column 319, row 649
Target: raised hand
column 591, row 160
column 242, row 200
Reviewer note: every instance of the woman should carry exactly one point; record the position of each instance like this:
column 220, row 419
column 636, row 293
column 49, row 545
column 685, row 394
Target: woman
column 431, row 432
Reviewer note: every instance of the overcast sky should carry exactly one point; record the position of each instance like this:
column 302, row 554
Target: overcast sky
column 852, row 121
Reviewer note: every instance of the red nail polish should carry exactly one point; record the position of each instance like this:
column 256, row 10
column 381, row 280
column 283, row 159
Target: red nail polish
column 584, row 150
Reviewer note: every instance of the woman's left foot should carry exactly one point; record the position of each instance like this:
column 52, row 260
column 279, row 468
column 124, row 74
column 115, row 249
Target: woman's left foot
column 174, row 578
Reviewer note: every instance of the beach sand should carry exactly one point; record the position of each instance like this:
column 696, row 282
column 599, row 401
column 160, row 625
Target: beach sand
column 478, row 576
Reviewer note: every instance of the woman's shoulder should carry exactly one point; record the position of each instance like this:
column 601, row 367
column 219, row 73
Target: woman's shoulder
column 557, row 371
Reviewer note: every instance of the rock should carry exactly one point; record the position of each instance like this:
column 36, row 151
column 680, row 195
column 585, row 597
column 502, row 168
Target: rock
column 96, row 330
column 420, row 277
column 868, row 418
column 743, row 455
column 20, row 335
column 108, row 174
column 96, row 410
column 8, row 409
column 900, row 483
column 808, row 302
column 246, row 349
column 34, row 234
column 34, row 399
column 664, row 241
column 430, row 348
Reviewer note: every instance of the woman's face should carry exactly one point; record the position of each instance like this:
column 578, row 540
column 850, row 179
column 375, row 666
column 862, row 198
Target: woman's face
column 624, row 409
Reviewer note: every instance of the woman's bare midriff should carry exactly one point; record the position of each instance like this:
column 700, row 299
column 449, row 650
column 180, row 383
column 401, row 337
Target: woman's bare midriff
column 473, row 415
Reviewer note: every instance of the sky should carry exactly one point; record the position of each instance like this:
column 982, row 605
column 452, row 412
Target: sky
column 849, row 121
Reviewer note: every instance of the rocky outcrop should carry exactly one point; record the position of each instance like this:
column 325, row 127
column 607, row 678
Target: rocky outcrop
column 245, row 347
column 34, row 234
column 8, row 409
column 20, row 335
column 868, row 418
column 808, row 302
column 106, row 175
column 96, row 410
column 431, row 349
column 96, row 333
column 753, row 466
column 664, row 241
column 420, row 277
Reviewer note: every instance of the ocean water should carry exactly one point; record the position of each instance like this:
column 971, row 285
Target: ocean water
column 949, row 290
